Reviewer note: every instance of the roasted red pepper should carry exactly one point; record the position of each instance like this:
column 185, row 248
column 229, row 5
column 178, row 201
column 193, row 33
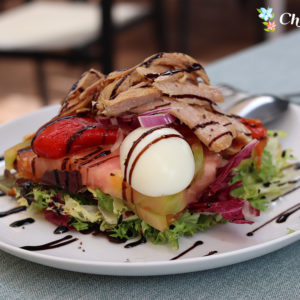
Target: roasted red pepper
column 259, row 132
column 66, row 135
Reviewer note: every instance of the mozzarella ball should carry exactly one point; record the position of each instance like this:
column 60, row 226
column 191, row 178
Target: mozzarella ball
column 159, row 161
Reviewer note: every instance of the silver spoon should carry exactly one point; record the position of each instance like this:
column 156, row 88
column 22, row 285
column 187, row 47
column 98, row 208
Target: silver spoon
column 265, row 107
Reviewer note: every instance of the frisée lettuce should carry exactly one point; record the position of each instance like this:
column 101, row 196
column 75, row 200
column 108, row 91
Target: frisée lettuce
column 272, row 178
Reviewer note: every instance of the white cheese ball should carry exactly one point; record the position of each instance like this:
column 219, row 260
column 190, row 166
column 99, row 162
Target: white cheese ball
column 160, row 164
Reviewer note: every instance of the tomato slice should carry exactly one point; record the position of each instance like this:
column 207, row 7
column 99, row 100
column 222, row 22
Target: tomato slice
column 66, row 135
column 259, row 132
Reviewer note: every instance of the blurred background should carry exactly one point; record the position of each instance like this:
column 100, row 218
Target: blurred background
column 46, row 45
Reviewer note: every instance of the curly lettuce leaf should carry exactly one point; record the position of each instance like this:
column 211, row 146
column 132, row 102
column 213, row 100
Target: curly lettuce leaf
column 259, row 185
column 84, row 213
column 187, row 225
column 78, row 225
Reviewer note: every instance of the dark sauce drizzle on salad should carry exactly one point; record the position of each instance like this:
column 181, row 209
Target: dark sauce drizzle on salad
column 22, row 222
column 61, row 229
column 101, row 154
column 211, row 253
column 280, row 218
column 76, row 135
column 193, row 67
column 55, row 244
column 196, row 244
column 163, row 137
column 141, row 241
column 33, row 166
column 188, row 96
column 12, row 211
column 146, row 63
column 203, row 125
column 286, row 193
column 283, row 218
column 50, row 123
column 219, row 136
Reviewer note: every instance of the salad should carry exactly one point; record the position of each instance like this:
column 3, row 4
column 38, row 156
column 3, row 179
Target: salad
column 146, row 152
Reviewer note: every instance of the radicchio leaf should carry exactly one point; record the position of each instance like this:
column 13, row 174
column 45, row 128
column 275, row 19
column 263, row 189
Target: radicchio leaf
column 218, row 199
column 233, row 209
column 224, row 173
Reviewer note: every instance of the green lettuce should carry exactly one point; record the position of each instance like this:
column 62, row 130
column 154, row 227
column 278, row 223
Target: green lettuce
column 111, row 208
column 78, row 225
column 42, row 198
column 260, row 185
column 84, row 213
column 187, row 225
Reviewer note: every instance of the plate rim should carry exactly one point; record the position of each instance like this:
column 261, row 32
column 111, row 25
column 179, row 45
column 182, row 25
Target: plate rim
column 109, row 268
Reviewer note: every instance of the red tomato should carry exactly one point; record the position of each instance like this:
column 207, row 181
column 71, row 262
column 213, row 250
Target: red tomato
column 259, row 132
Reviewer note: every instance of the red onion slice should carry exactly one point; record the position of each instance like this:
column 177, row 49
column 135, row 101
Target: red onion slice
column 155, row 120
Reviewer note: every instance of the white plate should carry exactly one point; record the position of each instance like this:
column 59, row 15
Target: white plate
column 103, row 257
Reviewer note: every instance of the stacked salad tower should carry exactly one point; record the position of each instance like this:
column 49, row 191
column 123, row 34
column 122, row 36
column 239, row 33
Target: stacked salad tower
column 147, row 152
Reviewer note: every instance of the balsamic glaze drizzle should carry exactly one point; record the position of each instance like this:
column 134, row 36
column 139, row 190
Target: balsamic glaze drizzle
column 190, row 96
column 12, row 211
column 148, row 62
column 33, row 166
column 49, row 124
column 219, row 136
column 22, row 222
column 64, row 163
column 103, row 161
column 55, row 244
column 282, row 217
column 211, row 253
column 193, row 67
column 101, row 154
column 286, row 193
column 167, row 136
column 76, row 135
column 141, row 241
column 134, row 145
column 118, row 84
column 61, row 229
column 295, row 166
column 196, row 244
column 203, row 125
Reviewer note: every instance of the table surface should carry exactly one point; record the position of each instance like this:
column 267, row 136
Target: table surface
column 272, row 67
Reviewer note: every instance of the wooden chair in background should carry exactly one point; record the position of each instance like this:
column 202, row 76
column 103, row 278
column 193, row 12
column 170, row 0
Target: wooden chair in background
column 74, row 31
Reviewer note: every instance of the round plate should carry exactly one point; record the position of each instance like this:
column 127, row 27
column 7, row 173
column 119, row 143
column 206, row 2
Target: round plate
column 95, row 254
